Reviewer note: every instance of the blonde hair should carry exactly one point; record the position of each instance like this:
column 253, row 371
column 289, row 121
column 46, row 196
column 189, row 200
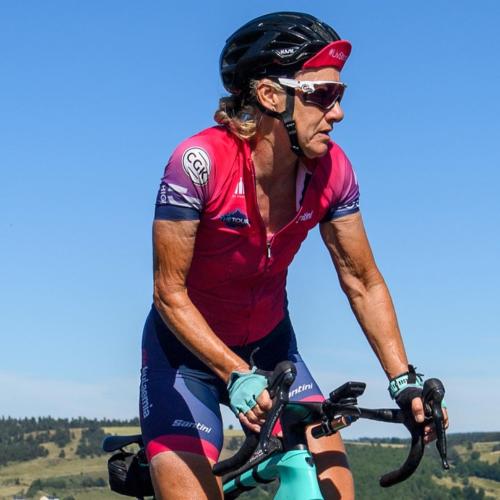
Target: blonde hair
column 240, row 114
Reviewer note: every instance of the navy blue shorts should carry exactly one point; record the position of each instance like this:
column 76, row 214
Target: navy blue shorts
column 180, row 396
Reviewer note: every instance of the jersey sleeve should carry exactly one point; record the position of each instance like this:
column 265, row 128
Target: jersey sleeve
column 346, row 200
column 187, row 182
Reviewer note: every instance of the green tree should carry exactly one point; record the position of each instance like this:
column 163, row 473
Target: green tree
column 91, row 441
column 35, row 487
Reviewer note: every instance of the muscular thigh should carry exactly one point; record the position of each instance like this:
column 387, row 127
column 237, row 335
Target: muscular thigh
column 179, row 407
column 179, row 414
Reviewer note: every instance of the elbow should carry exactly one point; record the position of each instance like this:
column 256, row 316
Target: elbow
column 359, row 287
column 167, row 298
column 354, row 290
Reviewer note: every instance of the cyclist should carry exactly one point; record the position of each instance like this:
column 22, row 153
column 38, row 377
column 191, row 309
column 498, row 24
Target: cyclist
column 235, row 202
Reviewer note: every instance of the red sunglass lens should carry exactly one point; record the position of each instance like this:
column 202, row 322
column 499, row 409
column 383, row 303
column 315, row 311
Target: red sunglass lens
column 325, row 96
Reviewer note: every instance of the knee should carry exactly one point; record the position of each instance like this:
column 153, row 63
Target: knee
column 183, row 475
column 334, row 474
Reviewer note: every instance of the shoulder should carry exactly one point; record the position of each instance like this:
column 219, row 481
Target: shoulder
column 333, row 167
column 335, row 179
column 213, row 142
column 199, row 154
column 336, row 158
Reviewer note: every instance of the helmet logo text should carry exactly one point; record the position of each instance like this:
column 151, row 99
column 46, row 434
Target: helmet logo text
column 287, row 51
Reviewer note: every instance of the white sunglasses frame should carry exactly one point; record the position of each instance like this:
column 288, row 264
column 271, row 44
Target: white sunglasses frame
column 306, row 86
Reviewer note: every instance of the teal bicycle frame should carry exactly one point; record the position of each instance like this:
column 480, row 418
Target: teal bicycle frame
column 295, row 469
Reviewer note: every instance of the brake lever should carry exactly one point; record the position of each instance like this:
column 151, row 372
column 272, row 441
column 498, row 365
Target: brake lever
column 279, row 385
column 432, row 395
column 259, row 445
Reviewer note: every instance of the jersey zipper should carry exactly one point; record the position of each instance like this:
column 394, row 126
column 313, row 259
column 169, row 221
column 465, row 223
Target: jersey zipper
column 269, row 241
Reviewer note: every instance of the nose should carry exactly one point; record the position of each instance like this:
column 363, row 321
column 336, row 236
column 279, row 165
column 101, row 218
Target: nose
column 336, row 114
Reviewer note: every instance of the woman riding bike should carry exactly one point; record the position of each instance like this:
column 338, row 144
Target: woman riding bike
column 235, row 203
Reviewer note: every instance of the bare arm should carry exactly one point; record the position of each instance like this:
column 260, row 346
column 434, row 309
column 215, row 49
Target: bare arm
column 173, row 243
column 366, row 290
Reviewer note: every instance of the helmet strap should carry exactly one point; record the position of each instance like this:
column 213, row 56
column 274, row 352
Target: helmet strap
column 287, row 118
column 289, row 122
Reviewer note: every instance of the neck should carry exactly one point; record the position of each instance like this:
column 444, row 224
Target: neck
column 271, row 153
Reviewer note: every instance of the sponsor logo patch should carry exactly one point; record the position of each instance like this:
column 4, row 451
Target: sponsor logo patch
column 196, row 164
column 337, row 54
column 299, row 389
column 192, row 425
column 235, row 219
column 145, row 405
column 162, row 195
column 240, row 188
column 306, row 216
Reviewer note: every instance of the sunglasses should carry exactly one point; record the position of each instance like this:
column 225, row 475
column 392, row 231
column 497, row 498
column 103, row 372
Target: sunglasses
column 322, row 93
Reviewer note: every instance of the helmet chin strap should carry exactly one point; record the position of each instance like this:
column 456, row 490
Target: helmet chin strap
column 287, row 118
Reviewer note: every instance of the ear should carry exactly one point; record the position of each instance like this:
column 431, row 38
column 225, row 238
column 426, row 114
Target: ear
column 269, row 96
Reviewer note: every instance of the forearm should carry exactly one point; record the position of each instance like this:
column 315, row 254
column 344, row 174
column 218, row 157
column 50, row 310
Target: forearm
column 374, row 310
column 365, row 287
column 188, row 325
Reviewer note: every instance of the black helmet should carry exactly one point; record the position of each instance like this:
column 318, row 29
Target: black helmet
column 273, row 45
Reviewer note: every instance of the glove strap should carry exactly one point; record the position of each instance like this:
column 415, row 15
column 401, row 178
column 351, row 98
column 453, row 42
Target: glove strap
column 408, row 379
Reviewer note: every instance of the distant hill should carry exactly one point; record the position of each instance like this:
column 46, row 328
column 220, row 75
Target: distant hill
column 62, row 457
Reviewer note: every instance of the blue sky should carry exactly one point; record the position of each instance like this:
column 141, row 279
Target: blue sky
column 95, row 95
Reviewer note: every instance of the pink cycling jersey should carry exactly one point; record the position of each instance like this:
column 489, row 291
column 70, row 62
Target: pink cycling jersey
column 238, row 272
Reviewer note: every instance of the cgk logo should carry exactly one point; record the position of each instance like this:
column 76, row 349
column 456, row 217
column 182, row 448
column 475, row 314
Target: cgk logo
column 196, row 164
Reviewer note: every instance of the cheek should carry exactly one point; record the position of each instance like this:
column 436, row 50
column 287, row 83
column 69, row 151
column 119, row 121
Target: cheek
column 305, row 135
column 307, row 121
column 311, row 136
column 306, row 126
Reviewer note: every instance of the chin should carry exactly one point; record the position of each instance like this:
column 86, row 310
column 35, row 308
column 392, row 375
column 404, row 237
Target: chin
column 316, row 150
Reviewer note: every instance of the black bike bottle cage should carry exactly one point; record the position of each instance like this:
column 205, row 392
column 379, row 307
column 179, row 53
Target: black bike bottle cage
column 287, row 118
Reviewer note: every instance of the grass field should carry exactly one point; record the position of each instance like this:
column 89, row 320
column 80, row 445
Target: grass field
column 491, row 488
column 486, row 452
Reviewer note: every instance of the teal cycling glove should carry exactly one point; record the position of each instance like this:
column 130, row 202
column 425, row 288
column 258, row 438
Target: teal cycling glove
column 244, row 388
column 407, row 386
column 401, row 383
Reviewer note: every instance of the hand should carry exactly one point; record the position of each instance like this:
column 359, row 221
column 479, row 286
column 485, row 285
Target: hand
column 254, row 419
column 417, row 408
column 249, row 398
